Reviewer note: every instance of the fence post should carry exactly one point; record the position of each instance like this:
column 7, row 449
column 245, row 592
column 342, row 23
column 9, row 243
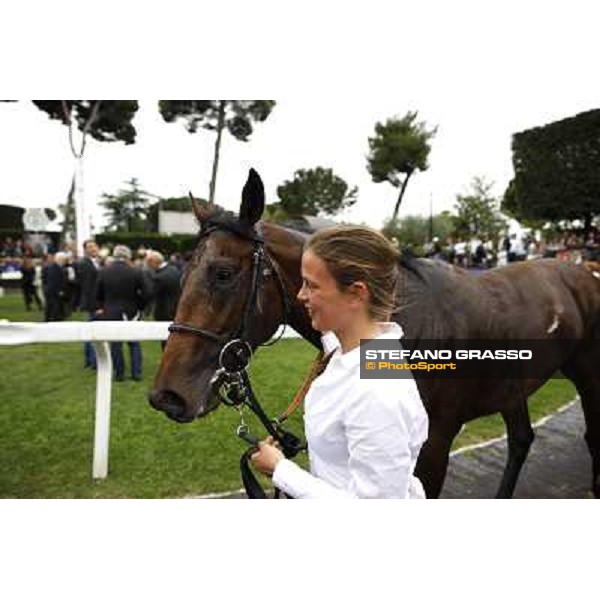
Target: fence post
column 102, row 420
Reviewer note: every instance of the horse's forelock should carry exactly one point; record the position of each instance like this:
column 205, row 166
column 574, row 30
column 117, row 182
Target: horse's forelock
column 224, row 219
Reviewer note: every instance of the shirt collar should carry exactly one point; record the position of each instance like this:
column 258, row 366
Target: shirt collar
column 389, row 331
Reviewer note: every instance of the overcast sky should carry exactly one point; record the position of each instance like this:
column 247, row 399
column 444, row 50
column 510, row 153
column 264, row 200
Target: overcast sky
column 478, row 83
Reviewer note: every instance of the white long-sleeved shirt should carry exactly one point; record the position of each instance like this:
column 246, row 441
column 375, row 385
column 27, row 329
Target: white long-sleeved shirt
column 364, row 435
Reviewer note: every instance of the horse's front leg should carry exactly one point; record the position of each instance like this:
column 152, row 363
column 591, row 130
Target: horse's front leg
column 520, row 437
column 433, row 459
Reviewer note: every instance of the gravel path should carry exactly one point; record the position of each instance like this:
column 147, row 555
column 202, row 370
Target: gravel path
column 558, row 465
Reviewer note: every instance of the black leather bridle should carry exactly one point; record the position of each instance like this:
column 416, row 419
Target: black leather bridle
column 237, row 348
column 262, row 267
column 236, row 352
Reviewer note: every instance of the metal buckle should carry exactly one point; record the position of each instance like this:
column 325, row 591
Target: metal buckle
column 243, row 431
column 235, row 356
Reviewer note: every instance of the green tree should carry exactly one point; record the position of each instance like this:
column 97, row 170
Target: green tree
column 127, row 210
column 399, row 147
column 237, row 116
column 444, row 226
column 413, row 230
column 105, row 121
column 510, row 207
column 478, row 212
column 274, row 212
column 556, row 171
column 314, row 191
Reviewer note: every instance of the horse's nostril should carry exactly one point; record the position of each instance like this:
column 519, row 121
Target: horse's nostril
column 168, row 402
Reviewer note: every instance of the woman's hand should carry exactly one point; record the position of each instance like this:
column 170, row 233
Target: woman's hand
column 267, row 456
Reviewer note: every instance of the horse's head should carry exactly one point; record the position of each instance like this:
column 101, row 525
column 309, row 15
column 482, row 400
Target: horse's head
column 231, row 290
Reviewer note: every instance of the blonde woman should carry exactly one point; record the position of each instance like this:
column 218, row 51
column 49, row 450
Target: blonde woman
column 364, row 435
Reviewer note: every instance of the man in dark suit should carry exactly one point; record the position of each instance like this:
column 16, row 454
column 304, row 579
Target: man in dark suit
column 86, row 276
column 121, row 294
column 164, row 278
column 54, row 282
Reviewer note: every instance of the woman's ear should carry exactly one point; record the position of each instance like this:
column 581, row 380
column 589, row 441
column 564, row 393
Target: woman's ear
column 360, row 291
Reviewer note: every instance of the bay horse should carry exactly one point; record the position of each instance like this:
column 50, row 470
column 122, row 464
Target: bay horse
column 227, row 294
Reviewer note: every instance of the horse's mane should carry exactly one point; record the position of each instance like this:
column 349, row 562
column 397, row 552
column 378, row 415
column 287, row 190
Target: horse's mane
column 408, row 262
column 426, row 294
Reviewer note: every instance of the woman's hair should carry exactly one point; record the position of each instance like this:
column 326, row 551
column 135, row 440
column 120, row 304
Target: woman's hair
column 353, row 253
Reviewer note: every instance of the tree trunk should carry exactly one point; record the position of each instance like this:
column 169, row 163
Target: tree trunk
column 587, row 223
column 398, row 202
column 82, row 218
column 68, row 226
column 430, row 217
column 220, row 125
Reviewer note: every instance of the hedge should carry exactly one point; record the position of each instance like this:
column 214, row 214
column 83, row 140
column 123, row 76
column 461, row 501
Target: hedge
column 11, row 232
column 167, row 244
column 556, row 170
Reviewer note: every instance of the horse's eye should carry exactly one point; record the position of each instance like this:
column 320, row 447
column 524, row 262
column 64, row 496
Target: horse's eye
column 223, row 275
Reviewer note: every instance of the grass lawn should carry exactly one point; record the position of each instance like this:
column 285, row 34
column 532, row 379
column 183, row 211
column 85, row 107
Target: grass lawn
column 47, row 413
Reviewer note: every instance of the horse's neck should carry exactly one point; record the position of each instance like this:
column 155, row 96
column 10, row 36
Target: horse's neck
column 438, row 301
column 285, row 247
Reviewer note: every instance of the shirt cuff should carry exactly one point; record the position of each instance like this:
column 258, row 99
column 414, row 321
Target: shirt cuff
column 298, row 483
column 284, row 476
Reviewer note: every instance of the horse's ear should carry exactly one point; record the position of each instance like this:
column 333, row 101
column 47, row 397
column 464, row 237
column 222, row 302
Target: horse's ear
column 200, row 211
column 253, row 199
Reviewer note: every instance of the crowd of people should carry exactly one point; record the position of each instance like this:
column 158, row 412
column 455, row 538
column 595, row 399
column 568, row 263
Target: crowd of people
column 477, row 253
column 467, row 254
column 102, row 284
column 574, row 246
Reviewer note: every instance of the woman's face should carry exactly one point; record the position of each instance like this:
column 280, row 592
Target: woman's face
column 329, row 308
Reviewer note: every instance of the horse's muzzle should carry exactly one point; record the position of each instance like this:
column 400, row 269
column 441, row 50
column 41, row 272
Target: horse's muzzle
column 172, row 404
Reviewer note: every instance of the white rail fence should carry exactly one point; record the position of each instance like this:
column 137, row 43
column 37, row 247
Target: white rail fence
column 100, row 333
